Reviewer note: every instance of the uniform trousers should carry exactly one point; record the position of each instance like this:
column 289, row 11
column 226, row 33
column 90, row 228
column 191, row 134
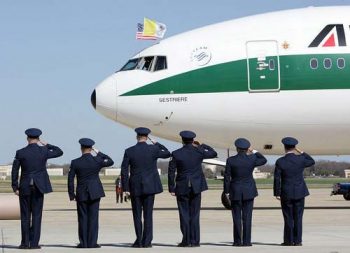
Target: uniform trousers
column 189, row 206
column 293, row 210
column 143, row 203
column 242, row 211
column 31, row 207
column 88, row 222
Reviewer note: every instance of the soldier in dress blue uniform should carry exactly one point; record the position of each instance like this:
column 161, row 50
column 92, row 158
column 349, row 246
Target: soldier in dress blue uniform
column 34, row 183
column 89, row 190
column 239, row 184
column 143, row 183
column 290, row 188
column 188, row 185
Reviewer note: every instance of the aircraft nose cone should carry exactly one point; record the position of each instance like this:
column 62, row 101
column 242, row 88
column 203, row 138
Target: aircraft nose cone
column 93, row 99
column 104, row 98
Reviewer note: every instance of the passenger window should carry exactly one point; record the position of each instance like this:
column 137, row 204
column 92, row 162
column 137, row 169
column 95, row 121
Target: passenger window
column 327, row 63
column 314, row 63
column 160, row 63
column 272, row 64
column 341, row 63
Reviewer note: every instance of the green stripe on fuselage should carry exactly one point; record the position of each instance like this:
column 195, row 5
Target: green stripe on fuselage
column 295, row 74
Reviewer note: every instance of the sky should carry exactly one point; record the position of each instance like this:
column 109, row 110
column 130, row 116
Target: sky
column 53, row 53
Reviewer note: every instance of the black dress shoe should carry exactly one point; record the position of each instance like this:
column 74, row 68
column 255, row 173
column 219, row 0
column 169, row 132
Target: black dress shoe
column 236, row 244
column 247, row 245
column 195, row 245
column 183, row 245
column 298, row 244
column 136, row 245
column 96, row 246
column 148, row 246
column 23, row 247
column 35, row 247
column 286, row 244
column 79, row 246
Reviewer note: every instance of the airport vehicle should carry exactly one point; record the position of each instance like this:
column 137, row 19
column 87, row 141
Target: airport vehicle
column 341, row 188
column 261, row 77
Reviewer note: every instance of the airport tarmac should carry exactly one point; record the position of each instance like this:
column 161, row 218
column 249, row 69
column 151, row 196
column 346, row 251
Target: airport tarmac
column 326, row 225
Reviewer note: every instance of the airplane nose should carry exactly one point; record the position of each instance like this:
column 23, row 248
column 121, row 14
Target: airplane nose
column 104, row 98
column 93, row 99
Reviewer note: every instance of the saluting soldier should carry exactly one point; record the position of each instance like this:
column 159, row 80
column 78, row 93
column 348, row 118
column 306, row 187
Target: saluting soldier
column 34, row 183
column 143, row 184
column 89, row 190
column 188, row 185
column 239, row 184
column 290, row 188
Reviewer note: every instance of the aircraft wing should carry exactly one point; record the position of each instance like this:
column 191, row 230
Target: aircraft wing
column 214, row 162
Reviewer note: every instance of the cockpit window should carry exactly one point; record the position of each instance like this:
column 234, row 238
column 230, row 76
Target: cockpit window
column 160, row 63
column 131, row 64
column 147, row 63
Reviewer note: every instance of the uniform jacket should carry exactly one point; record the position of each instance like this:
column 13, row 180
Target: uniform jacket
column 87, row 168
column 187, row 163
column 32, row 161
column 288, row 177
column 238, row 179
column 142, row 160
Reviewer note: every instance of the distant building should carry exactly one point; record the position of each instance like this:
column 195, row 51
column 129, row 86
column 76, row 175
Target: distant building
column 347, row 173
column 55, row 171
column 5, row 171
column 112, row 171
column 257, row 174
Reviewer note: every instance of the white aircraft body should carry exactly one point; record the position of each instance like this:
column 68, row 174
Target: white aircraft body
column 261, row 77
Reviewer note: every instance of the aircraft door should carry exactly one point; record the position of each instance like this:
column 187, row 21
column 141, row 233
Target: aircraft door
column 263, row 66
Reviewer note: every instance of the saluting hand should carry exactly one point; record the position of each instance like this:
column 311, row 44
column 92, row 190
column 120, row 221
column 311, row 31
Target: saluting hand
column 95, row 150
column 299, row 151
column 153, row 141
column 44, row 143
column 196, row 143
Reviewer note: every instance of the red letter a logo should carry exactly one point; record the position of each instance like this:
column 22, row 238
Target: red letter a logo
column 331, row 41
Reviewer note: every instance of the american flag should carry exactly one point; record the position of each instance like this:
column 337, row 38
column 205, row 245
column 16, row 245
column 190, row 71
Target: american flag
column 139, row 33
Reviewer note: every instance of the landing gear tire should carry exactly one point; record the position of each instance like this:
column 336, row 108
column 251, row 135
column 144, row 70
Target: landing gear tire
column 346, row 196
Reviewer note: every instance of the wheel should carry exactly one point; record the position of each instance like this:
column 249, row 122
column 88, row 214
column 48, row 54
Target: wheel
column 346, row 196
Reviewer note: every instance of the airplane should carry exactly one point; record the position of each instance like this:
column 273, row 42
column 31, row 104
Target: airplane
column 262, row 77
